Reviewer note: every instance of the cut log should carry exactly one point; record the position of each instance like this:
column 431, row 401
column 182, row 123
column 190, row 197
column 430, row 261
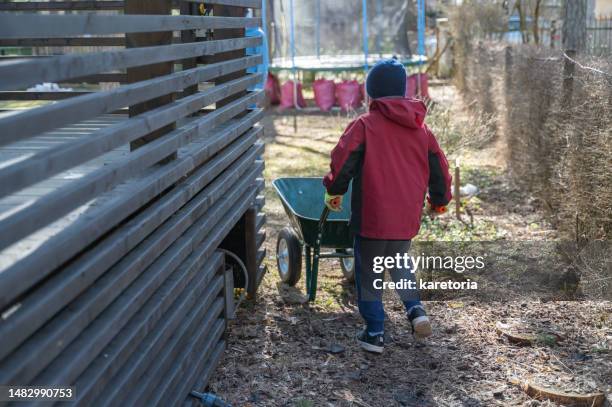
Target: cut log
column 561, row 397
column 514, row 337
column 527, row 338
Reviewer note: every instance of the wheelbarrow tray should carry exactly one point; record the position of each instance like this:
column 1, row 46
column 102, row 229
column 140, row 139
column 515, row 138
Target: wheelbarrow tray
column 302, row 199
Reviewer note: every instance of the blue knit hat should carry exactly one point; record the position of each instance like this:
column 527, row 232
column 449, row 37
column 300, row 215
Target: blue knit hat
column 386, row 78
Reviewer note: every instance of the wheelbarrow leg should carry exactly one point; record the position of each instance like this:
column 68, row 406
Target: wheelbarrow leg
column 311, row 285
column 312, row 292
column 307, row 255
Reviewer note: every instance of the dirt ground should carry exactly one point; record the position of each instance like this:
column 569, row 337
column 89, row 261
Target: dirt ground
column 283, row 354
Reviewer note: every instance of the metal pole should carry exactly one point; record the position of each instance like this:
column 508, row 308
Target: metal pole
column 365, row 47
column 365, row 35
column 379, row 12
column 292, row 46
column 457, row 191
column 294, row 71
column 264, row 21
column 317, row 27
column 420, row 39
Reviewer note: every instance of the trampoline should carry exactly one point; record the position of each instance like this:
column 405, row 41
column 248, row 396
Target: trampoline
column 344, row 35
column 339, row 63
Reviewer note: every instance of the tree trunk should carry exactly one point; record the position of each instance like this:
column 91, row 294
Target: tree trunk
column 402, row 40
column 574, row 25
column 522, row 22
column 536, row 21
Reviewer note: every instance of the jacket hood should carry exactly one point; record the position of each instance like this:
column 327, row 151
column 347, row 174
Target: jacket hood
column 406, row 112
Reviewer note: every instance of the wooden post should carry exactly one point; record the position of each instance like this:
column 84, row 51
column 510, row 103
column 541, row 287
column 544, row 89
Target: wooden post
column 457, row 191
column 574, row 25
column 568, row 77
column 241, row 241
column 553, row 33
column 250, row 252
column 508, row 70
column 228, row 283
column 219, row 34
column 508, row 85
column 145, row 72
column 188, row 8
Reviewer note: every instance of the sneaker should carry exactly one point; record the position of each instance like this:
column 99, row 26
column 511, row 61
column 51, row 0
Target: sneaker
column 371, row 343
column 421, row 328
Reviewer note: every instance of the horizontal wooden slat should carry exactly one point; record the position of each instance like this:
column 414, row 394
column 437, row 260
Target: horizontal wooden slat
column 64, row 42
column 99, row 78
column 37, row 265
column 9, row 58
column 174, row 362
column 203, row 367
column 129, row 353
column 71, row 42
column 260, row 220
column 134, row 391
column 35, row 354
column 260, row 239
column 260, row 202
column 67, row 367
column 33, row 95
column 83, row 350
column 204, row 374
column 234, row 3
column 260, row 273
column 53, row 161
column 34, row 121
column 147, row 389
column 106, row 4
column 63, row 200
column 58, row 291
column 181, row 376
column 20, row 74
column 261, row 255
column 67, row 25
column 260, row 183
column 61, row 5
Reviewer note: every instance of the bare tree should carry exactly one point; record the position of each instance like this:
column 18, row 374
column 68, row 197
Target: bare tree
column 408, row 20
column 536, row 21
column 522, row 20
column 574, row 25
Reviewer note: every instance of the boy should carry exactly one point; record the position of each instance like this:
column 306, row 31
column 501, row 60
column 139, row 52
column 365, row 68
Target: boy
column 393, row 159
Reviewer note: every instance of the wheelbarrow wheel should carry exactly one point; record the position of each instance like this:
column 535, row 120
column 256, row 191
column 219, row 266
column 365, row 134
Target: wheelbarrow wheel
column 347, row 264
column 289, row 257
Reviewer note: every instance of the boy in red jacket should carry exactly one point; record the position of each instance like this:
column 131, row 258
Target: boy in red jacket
column 393, row 160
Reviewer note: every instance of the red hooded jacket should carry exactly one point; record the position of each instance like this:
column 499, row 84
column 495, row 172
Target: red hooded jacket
column 393, row 160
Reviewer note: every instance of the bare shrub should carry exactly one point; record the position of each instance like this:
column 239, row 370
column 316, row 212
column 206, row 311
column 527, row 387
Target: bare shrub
column 557, row 129
column 533, row 91
column 584, row 176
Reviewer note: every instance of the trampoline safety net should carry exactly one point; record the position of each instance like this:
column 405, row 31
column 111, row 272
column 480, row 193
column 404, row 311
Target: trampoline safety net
column 342, row 34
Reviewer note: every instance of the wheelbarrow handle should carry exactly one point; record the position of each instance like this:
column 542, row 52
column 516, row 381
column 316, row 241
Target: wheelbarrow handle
column 323, row 219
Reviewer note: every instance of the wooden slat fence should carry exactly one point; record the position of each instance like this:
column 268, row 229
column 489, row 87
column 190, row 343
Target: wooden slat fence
column 110, row 278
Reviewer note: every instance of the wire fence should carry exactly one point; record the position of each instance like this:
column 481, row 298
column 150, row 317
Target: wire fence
column 599, row 36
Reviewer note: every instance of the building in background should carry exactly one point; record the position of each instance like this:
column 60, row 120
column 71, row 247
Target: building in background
column 599, row 9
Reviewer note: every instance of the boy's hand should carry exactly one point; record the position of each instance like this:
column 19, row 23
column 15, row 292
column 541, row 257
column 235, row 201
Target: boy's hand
column 435, row 210
column 333, row 202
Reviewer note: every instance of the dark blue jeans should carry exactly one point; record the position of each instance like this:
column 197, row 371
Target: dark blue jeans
column 369, row 296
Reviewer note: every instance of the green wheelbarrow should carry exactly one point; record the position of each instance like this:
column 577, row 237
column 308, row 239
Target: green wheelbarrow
column 312, row 228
